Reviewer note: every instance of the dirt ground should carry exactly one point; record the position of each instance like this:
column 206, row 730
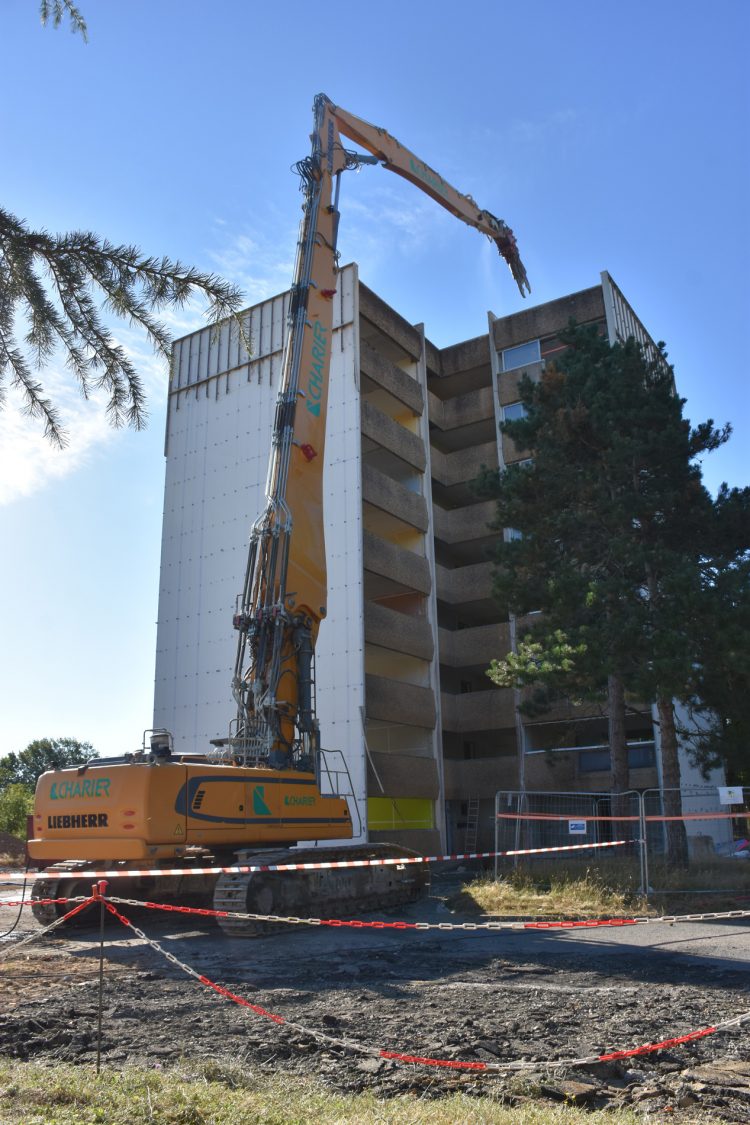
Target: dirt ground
column 439, row 994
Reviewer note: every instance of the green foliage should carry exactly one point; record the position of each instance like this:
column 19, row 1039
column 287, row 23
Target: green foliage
column 55, row 11
column 622, row 548
column 16, row 802
column 43, row 754
column 540, row 659
column 720, row 697
column 50, row 282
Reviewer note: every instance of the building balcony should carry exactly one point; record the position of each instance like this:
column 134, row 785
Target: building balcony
column 400, row 566
column 460, row 525
column 463, row 465
column 396, row 702
column 465, row 648
column 382, row 431
column 388, row 323
column 477, row 710
column 393, row 498
column 398, row 631
column 391, row 378
column 463, row 410
column 402, row 775
column 464, row 583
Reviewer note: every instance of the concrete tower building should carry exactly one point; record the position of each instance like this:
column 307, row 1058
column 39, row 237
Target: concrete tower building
column 411, row 625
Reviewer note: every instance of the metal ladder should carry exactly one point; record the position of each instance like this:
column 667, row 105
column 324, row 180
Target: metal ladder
column 472, row 825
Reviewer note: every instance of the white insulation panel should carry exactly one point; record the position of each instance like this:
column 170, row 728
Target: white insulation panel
column 217, row 446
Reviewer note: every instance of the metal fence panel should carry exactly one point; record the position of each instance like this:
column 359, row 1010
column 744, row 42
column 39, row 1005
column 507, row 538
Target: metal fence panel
column 717, row 827
column 538, row 819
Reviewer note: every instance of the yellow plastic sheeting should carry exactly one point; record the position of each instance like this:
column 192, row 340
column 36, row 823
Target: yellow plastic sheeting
column 403, row 812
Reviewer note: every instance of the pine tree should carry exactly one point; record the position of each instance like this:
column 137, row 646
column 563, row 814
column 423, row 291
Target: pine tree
column 615, row 527
column 720, row 696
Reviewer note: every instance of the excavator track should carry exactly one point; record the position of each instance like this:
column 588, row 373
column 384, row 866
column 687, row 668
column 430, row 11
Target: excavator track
column 63, row 884
column 328, row 893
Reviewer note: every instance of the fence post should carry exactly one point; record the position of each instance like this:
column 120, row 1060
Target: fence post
column 643, row 845
column 497, row 822
column 98, row 891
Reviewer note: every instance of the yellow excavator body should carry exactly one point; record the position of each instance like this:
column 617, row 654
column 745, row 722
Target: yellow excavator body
column 149, row 811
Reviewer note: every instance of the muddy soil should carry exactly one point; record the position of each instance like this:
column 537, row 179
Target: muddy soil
column 442, row 995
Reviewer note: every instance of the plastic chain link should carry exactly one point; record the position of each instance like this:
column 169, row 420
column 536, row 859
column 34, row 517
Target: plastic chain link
column 396, row 1056
column 465, row 927
column 13, row 946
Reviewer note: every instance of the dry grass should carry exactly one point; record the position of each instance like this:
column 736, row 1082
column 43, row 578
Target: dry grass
column 562, row 895
column 549, row 889
column 31, row 1094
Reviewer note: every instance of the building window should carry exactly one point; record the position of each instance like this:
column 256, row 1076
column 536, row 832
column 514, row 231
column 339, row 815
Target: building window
column 640, row 756
column 512, row 533
column 521, row 355
column 513, row 411
column 594, row 761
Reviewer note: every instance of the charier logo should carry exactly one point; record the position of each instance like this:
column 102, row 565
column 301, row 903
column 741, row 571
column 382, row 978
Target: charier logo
column 430, row 178
column 315, row 379
column 88, row 787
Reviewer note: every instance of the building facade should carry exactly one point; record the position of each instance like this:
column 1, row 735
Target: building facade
column 412, row 626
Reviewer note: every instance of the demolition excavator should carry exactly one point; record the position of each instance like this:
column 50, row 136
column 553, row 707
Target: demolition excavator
column 261, row 793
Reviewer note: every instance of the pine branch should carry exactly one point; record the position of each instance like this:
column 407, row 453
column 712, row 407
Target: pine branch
column 35, row 405
column 49, row 281
column 56, row 11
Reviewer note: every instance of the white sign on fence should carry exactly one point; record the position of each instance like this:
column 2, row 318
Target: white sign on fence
column 577, row 827
column 730, row 795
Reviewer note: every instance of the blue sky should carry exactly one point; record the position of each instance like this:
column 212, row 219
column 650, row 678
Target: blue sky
column 608, row 136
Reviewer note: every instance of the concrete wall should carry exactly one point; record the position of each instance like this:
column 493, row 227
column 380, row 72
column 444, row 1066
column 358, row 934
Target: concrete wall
column 546, row 320
column 219, row 422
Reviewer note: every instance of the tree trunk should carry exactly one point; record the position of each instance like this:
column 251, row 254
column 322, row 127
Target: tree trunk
column 677, row 851
column 618, row 751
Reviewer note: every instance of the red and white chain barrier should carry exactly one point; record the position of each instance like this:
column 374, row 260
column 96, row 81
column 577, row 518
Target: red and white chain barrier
column 353, row 1046
column 488, row 925
column 420, row 1060
column 465, row 927
column 244, row 869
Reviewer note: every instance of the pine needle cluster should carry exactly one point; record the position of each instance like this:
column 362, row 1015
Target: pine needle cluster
column 49, row 284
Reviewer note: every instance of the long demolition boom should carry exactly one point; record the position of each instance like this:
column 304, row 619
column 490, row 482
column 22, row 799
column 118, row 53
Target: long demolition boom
column 285, row 591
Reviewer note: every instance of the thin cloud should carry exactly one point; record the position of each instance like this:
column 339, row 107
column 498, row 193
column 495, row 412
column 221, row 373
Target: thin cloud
column 28, row 460
column 534, row 130
column 259, row 265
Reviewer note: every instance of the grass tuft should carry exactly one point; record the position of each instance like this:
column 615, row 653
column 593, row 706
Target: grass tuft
column 556, row 894
column 34, row 1094
column 553, row 890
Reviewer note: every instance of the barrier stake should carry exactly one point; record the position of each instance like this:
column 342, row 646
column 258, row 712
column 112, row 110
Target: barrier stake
column 98, row 891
